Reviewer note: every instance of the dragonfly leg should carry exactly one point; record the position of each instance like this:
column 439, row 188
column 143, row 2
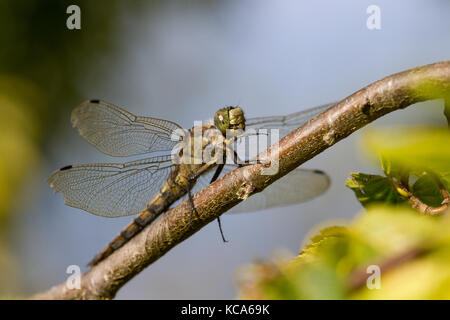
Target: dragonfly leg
column 191, row 181
column 221, row 231
column 214, row 178
column 191, row 202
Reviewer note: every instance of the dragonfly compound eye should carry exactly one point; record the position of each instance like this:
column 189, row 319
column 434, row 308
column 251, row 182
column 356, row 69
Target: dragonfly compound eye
column 222, row 120
column 237, row 120
column 229, row 118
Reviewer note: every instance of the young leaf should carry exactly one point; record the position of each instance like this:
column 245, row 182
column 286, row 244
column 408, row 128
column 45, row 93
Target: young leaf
column 369, row 189
column 428, row 191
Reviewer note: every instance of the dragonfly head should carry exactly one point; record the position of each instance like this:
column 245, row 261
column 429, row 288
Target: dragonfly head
column 230, row 118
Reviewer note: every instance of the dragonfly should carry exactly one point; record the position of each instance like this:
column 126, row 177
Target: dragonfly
column 148, row 187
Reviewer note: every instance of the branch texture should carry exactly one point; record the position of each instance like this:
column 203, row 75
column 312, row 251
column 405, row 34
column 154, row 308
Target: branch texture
column 389, row 94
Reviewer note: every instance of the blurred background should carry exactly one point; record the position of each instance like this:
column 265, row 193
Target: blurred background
column 182, row 60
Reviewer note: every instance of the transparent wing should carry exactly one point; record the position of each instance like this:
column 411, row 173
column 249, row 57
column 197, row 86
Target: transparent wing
column 299, row 185
column 112, row 189
column 119, row 133
column 286, row 123
column 205, row 179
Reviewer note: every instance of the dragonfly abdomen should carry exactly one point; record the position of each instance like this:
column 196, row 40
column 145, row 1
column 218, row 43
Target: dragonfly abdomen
column 169, row 193
column 145, row 218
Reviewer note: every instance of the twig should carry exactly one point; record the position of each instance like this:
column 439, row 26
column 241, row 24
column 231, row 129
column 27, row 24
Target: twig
column 418, row 204
column 358, row 278
column 389, row 94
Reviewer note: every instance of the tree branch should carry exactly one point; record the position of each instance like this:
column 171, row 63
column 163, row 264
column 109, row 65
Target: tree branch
column 358, row 278
column 389, row 94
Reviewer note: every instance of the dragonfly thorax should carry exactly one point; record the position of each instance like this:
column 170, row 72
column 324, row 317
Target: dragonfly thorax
column 201, row 144
column 230, row 120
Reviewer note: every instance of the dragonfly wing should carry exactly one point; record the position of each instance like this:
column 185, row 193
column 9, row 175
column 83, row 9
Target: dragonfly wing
column 119, row 133
column 286, row 124
column 297, row 186
column 112, row 189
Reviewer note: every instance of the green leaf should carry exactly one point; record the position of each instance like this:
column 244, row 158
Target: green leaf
column 334, row 231
column 393, row 169
column 325, row 237
column 369, row 189
column 428, row 191
column 386, row 165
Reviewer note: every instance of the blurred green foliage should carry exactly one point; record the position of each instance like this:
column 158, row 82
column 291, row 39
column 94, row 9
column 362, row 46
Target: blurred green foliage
column 42, row 64
column 334, row 264
column 411, row 250
column 18, row 132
